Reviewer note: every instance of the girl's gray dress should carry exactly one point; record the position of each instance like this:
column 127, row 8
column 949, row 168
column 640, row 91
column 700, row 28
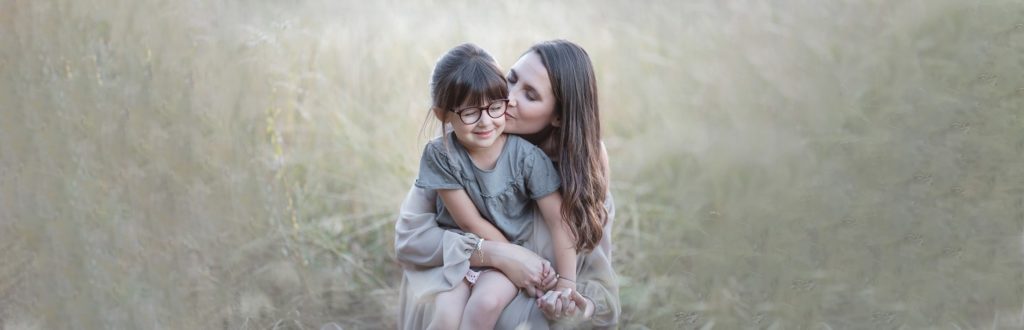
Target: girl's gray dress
column 435, row 258
column 504, row 195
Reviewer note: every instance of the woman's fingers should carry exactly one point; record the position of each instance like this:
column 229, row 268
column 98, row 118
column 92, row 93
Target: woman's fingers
column 578, row 299
column 559, row 304
column 542, row 302
column 556, row 305
column 550, row 297
column 546, row 308
column 553, row 303
column 565, row 301
column 530, row 290
column 584, row 304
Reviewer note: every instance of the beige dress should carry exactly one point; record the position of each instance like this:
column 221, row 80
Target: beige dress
column 435, row 260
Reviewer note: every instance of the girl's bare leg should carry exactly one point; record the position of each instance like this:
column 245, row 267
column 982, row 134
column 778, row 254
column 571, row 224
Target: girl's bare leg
column 448, row 307
column 491, row 293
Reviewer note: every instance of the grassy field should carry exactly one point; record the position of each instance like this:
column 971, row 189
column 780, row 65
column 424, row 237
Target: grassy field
column 776, row 164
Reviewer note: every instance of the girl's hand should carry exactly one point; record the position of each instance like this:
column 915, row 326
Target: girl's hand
column 565, row 303
column 524, row 268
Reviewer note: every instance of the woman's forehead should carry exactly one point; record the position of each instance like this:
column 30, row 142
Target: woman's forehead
column 530, row 70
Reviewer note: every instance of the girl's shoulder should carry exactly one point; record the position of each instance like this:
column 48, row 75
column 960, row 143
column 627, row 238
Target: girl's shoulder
column 523, row 149
column 443, row 150
column 438, row 141
column 442, row 144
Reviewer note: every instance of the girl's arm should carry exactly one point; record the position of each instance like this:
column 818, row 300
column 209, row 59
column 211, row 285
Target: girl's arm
column 562, row 242
column 421, row 242
column 597, row 296
column 467, row 216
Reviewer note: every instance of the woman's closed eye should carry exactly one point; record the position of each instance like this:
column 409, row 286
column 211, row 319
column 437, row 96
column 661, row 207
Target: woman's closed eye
column 531, row 94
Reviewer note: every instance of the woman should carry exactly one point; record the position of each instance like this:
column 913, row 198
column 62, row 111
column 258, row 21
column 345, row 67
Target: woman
column 553, row 104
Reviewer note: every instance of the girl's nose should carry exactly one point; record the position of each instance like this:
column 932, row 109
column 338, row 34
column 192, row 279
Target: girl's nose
column 485, row 119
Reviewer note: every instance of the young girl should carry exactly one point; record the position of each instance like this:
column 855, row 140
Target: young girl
column 487, row 182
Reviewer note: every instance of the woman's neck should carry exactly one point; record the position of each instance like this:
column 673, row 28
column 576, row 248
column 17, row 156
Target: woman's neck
column 546, row 140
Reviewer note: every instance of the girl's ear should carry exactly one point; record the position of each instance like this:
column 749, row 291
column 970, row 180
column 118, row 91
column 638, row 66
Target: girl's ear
column 438, row 113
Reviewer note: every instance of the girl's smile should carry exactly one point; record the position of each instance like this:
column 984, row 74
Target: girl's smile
column 484, row 134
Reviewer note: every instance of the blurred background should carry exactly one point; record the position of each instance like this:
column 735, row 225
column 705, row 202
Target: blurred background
column 776, row 164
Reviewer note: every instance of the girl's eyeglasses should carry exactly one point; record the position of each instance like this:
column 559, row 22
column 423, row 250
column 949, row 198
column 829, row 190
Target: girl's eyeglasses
column 471, row 115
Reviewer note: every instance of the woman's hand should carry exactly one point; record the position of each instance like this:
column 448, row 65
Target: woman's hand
column 523, row 267
column 565, row 303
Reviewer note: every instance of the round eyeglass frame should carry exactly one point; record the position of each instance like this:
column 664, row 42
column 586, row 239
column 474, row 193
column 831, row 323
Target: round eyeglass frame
column 480, row 110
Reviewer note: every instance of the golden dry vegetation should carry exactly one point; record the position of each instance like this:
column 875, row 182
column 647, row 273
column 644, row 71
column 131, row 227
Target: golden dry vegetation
column 776, row 164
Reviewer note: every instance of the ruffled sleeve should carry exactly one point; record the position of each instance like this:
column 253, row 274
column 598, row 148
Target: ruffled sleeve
column 539, row 173
column 435, row 259
column 437, row 170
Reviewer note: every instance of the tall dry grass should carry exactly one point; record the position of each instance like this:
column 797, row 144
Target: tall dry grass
column 776, row 164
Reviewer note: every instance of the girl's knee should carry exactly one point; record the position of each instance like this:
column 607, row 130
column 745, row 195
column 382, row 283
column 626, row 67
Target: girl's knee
column 446, row 319
column 486, row 303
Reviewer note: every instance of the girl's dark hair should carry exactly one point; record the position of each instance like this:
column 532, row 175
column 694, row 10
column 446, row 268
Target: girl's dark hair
column 579, row 139
column 466, row 74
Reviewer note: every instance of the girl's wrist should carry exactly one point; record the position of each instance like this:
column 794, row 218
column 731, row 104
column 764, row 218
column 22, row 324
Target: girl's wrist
column 494, row 258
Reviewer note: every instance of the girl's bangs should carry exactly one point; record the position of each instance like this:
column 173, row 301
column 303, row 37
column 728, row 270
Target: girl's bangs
column 482, row 84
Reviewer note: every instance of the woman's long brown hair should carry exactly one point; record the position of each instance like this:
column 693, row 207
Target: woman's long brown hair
column 579, row 139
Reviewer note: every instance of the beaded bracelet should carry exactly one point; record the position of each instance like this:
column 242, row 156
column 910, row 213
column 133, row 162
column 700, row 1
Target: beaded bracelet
column 560, row 277
column 479, row 247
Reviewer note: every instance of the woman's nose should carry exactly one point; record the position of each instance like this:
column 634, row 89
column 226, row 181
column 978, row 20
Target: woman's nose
column 512, row 101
